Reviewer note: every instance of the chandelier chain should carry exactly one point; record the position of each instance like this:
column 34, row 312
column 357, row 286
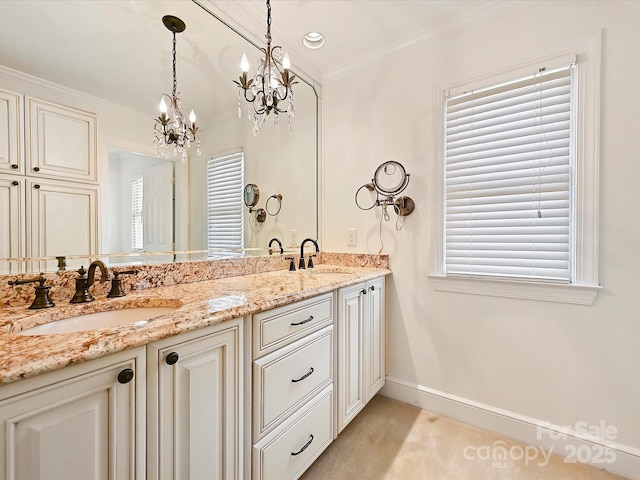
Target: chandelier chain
column 268, row 22
column 175, row 81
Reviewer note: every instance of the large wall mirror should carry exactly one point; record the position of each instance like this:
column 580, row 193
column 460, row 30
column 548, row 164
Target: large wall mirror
column 113, row 58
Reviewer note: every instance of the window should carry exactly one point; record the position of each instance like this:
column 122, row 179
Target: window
column 517, row 182
column 225, row 218
column 508, row 186
column 137, row 189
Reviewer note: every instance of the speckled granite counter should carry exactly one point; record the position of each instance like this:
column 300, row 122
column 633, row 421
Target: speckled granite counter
column 200, row 304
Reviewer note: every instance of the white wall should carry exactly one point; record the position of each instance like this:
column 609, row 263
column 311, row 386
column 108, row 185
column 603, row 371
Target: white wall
column 538, row 360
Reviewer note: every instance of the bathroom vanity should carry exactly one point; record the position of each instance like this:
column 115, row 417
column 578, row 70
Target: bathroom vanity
column 249, row 376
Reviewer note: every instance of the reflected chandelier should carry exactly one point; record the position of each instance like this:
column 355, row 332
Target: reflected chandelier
column 271, row 86
column 171, row 127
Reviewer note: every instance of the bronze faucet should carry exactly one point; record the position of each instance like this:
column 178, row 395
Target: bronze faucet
column 83, row 282
column 274, row 239
column 301, row 264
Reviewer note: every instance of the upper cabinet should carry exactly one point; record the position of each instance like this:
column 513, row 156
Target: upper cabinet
column 11, row 139
column 61, row 142
column 48, row 180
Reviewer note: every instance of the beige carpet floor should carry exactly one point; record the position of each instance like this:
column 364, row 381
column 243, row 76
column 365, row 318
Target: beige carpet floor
column 391, row 440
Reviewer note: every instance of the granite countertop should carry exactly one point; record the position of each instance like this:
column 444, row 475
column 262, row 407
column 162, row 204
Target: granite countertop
column 200, row 304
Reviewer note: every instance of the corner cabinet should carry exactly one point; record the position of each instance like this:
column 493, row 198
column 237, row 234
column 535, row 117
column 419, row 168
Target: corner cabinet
column 361, row 347
column 84, row 421
column 195, row 404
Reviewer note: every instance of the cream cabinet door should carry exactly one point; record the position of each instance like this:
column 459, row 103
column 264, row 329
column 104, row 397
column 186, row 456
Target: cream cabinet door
column 361, row 347
column 82, row 422
column 11, row 219
column 63, row 221
column 195, row 405
column 351, row 394
column 61, row 142
column 11, row 134
column 374, row 338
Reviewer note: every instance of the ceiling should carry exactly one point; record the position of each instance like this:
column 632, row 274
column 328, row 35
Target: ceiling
column 107, row 47
column 360, row 32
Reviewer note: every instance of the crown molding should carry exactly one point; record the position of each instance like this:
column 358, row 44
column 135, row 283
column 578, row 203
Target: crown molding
column 468, row 21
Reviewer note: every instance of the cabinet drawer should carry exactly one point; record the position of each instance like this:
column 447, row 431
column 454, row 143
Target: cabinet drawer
column 289, row 450
column 284, row 380
column 277, row 327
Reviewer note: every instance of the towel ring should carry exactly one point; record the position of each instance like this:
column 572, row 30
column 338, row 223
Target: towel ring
column 278, row 198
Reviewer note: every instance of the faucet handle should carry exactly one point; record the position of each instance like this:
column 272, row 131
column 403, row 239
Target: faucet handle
column 310, row 263
column 41, row 299
column 116, row 284
column 292, row 265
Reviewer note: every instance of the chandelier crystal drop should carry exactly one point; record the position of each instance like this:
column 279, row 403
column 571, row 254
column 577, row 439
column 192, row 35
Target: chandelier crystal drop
column 171, row 127
column 270, row 91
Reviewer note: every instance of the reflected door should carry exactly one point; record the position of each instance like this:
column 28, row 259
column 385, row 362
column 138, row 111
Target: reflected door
column 158, row 208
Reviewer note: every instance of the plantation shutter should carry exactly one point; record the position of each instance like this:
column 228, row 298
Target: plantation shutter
column 508, row 156
column 225, row 219
column 137, row 189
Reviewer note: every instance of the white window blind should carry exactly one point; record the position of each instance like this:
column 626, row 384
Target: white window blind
column 137, row 192
column 225, row 219
column 508, row 179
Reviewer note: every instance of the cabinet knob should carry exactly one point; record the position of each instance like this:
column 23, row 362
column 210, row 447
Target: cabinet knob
column 15, row 182
column 372, row 288
column 36, row 169
column 363, row 291
column 15, row 166
column 125, row 376
column 172, row 358
column 36, row 186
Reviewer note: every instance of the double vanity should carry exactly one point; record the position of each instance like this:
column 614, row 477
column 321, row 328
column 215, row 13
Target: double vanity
column 247, row 375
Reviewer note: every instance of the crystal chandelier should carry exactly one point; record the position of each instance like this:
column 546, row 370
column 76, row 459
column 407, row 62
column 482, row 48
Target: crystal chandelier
column 171, row 127
column 271, row 86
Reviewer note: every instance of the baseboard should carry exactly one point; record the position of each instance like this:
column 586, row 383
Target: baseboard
column 572, row 443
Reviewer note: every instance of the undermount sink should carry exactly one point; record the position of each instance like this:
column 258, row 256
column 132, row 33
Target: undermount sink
column 330, row 271
column 97, row 320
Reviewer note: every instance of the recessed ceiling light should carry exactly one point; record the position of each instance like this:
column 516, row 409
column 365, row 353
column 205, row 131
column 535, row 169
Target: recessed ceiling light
column 313, row 40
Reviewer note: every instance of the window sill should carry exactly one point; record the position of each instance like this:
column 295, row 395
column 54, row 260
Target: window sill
column 548, row 292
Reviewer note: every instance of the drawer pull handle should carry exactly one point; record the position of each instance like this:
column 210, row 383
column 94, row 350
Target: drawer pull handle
column 306, row 445
column 303, row 377
column 295, row 324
